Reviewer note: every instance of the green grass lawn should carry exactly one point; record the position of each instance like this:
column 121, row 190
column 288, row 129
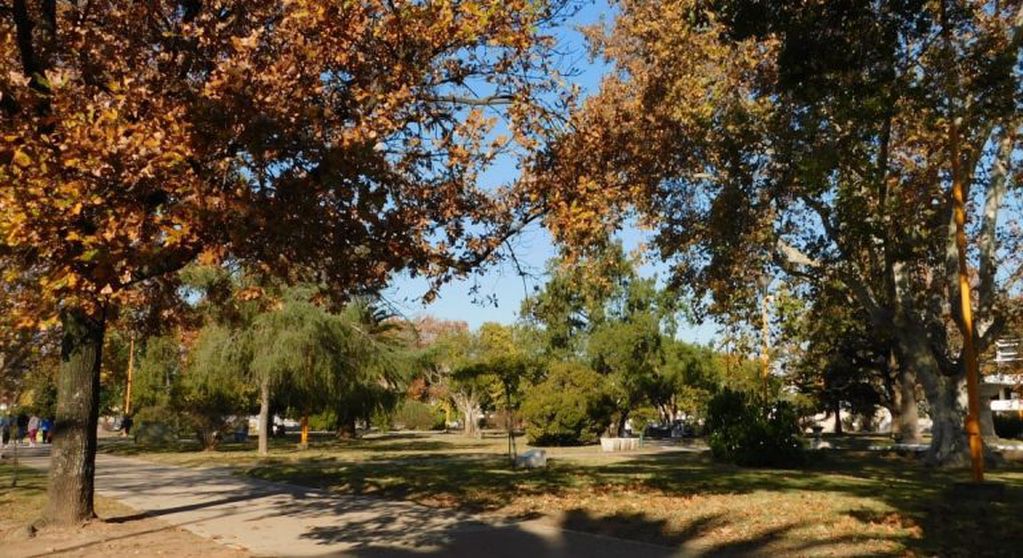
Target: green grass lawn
column 20, row 504
column 845, row 503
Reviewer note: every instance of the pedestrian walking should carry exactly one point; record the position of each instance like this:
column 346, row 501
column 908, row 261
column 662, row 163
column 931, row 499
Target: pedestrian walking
column 22, row 428
column 46, row 425
column 5, row 431
column 33, row 429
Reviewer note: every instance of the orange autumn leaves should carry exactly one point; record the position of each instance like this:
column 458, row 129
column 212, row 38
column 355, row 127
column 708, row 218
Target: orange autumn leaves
column 338, row 137
column 676, row 88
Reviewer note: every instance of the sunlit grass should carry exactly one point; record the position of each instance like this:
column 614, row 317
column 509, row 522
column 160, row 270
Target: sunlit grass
column 847, row 502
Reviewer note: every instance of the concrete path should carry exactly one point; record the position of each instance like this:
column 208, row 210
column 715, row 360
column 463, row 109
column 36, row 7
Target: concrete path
column 274, row 519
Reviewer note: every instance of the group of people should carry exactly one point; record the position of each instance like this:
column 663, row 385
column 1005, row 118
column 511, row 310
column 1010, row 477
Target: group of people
column 21, row 428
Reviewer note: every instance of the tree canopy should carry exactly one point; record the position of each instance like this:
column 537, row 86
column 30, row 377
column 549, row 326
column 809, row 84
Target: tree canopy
column 817, row 143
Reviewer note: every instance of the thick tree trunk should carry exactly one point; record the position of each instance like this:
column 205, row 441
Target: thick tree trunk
column 470, row 426
column 73, row 463
column 838, row 416
column 208, row 437
column 621, row 424
column 264, row 417
column 947, row 401
column 987, row 419
column 467, row 404
column 908, row 413
column 346, row 427
column 946, row 398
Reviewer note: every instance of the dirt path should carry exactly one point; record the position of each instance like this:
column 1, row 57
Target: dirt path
column 274, row 519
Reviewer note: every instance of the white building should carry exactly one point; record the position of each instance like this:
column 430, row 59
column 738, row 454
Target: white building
column 1002, row 388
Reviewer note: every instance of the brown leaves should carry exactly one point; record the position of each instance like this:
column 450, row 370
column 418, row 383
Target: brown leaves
column 303, row 135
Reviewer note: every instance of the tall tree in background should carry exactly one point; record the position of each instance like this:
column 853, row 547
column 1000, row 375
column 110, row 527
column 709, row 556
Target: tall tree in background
column 347, row 136
column 816, row 142
column 375, row 364
column 598, row 309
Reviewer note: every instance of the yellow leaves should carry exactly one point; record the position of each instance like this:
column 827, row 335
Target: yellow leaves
column 21, row 159
column 250, row 293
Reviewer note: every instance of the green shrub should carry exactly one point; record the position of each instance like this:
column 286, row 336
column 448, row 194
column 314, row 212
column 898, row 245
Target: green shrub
column 643, row 417
column 155, row 426
column 568, row 408
column 324, row 421
column 416, row 415
column 1008, row 425
column 750, row 431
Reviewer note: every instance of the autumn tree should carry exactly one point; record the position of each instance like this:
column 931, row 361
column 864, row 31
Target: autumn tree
column 344, row 138
column 819, row 143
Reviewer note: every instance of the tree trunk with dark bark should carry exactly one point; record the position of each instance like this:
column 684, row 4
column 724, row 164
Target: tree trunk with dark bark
column 346, row 427
column 838, row 416
column 264, row 417
column 73, row 463
column 621, row 424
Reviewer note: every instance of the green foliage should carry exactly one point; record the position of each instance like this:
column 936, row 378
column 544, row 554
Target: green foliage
column 643, row 417
column 40, row 387
column 600, row 309
column 113, row 372
column 158, row 372
column 212, row 389
column 747, row 430
column 340, row 365
column 199, row 392
column 322, row 421
column 156, row 426
column 688, row 378
column 568, row 408
column 416, row 415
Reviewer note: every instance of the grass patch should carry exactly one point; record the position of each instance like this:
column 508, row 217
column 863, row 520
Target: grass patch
column 20, row 504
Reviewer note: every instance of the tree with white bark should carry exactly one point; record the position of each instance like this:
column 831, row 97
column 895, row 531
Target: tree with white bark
column 818, row 143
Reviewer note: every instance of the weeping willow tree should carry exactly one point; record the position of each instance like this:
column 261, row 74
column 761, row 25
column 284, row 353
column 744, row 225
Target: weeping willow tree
column 212, row 390
column 348, row 363
column 294, row 346
column 374, row 367
column 192, row 376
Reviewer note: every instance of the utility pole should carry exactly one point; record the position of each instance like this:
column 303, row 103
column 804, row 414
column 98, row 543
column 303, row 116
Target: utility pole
column 131, row 369
column 765, row 333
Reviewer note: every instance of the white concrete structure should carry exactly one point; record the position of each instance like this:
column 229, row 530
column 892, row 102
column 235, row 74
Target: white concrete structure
column 1003, row 388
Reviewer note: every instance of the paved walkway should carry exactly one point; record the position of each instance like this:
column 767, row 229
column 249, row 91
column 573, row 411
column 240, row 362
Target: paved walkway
column 274, row 519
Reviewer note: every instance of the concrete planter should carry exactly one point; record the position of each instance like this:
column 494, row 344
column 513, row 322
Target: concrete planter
column 619, row 444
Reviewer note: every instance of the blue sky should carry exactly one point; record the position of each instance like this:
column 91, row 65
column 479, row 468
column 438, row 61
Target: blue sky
column 500, row 291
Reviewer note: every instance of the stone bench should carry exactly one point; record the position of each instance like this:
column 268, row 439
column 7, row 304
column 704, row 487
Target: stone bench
column 619, row 444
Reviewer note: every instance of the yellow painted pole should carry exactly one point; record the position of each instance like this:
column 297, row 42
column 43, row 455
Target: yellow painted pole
column 966, row 308
column 765, row 332
column 131, row 367
column 304, row 442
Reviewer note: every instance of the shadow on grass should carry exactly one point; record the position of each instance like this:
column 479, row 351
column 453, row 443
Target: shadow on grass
column 914, row 510
column 924, row 516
